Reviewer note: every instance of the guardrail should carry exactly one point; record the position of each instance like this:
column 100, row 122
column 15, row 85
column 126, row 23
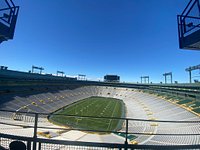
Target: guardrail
column 8, row 19
column 9, row 12
column 36, row 143
column 189, row 23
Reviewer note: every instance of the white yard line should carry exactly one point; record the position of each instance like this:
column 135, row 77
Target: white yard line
column 112, row 115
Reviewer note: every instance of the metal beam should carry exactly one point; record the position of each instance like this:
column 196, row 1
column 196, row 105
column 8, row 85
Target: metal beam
column 193, row 68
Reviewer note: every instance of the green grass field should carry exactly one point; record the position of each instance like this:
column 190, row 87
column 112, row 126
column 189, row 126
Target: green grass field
column 95, row 107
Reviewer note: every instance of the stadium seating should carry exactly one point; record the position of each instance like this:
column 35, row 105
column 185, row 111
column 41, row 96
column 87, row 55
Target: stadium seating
column 139, row 105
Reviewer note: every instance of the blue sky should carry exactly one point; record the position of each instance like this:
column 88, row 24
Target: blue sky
column 130, row 38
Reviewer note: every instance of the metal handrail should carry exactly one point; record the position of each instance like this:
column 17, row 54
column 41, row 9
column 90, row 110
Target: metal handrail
column 181, row 18
column 94, row 144
column 181, row 23
column 35, row 140
column 191, row 8
column 2, row 9
column 12, row 12
column 186, row 7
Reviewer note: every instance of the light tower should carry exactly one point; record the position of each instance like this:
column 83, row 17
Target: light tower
column 38, row 68
column 60, row 72
column 169, row 74
column 81, row 77
column 190, row 69
column 145, row 79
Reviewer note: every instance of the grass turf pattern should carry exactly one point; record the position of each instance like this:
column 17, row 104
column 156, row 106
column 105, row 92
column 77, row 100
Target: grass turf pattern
column 95, row 107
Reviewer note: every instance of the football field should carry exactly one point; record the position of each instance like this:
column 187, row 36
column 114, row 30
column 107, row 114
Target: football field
column 94, row 107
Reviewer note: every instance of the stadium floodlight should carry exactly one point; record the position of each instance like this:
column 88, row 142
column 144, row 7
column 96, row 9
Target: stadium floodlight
column 169, row 74
column 81, row 77
column 38, row 68
column 60, row 72
column 190, row 69
column 145, row 79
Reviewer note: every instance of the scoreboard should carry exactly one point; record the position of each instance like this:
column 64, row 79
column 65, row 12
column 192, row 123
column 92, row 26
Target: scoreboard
column 111, row 78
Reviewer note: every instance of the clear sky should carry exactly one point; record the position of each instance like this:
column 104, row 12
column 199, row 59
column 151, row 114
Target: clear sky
column 130, row 38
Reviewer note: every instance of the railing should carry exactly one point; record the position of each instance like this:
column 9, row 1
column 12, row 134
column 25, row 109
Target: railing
column 35, row 143
column 8, row 13
column 188, row 25
column 8, row 19
column 189, row 20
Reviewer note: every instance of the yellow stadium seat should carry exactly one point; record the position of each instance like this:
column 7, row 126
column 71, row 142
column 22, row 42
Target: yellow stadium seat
column 134, row 142
column 34, row 103
column 153, row 124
